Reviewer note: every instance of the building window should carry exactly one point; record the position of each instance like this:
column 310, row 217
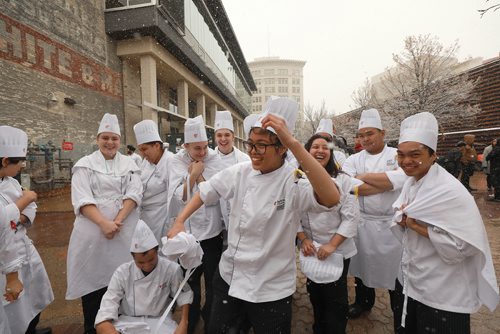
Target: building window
column 259, row 90
column 269, row 90
column 269, row 81
column 282, row 71
column 269, row 71
column 295, row 81
column 258, row 82
column 256, row 73
column 296, row 98
column 296, row 72
column 282, row 89
column 283, row 81
column 295, row 89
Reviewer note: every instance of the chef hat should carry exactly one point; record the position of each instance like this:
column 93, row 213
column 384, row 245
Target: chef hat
column 194, row 130
column 223, row 120
column 143, row 238
column 13, row 142
column 184, row 247
column 146, row 131
column 279, row 106
column 325, row 125
column 421, row 128
column 370, row 119
column 109, row 123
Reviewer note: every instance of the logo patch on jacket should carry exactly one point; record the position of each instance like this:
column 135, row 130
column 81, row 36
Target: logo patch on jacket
column 280, row 204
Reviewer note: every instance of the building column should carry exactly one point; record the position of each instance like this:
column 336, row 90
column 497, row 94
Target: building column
column 183, row 98
column 212, row 109
column 200, row 107
column 148, row 87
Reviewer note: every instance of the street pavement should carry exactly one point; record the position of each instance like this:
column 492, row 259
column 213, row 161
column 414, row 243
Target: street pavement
column 54, row 222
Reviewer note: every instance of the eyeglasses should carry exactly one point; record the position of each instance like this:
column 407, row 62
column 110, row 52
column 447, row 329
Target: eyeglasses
column 260, row 148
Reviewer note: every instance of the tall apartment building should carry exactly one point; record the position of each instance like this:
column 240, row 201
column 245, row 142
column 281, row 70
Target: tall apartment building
column 278, row 77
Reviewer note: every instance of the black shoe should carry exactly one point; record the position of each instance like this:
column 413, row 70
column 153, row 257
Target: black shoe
column 45, row 330
column 355, row 310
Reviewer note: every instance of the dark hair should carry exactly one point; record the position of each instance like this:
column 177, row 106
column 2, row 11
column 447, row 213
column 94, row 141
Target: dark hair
column 331, row 166
column 131, row 148
column 12, row 160
column 154, row 142
column 272, row 137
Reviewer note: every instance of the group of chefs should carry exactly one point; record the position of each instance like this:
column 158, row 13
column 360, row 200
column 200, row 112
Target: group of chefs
column 391, row 217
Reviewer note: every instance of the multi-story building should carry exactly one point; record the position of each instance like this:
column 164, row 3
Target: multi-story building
column 278, row 77
column 65, row 63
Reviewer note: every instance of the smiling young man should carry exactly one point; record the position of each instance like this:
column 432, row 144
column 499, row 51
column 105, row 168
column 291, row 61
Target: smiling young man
column 379, row 253
column 257, row 272
column 446, row 269
column 188, row 168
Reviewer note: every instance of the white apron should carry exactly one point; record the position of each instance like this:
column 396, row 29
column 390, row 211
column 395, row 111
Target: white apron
column 154, row 206
column 37, row 293
column 379, row 252
column 92, row 258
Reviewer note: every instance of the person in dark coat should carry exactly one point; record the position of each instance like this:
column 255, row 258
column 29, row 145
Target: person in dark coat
column 494, row 159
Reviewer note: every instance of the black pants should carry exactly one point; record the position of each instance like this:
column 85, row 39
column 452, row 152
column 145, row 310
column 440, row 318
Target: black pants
column 495, row 179
column 330, row 304
column 467, row 172
column 489, row 181
column 33, row 323
column 365, row 296
column 90, row 305
column 422, row 319
column 212, row 250
column 230, row 315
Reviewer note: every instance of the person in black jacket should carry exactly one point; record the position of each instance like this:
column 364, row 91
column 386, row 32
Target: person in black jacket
column 494, row 159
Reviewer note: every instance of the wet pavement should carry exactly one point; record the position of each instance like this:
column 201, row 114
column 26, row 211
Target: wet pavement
column 53, row 228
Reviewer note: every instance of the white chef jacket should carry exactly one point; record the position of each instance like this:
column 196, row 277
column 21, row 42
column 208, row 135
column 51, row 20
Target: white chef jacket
column 452, row 270
column 379, row 253
column 321, row 227
column 259, row 263
column 154, row 205
column 233, row 158
column 137, row 159
column 132, row 294
column 37, row 291
column 9, row 261
column 206, row 222
column 92, row 258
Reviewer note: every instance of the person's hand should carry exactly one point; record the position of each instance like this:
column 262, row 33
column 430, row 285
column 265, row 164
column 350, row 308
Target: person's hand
column 109, row 228
column 13, row 287
column 307, row 247
column 181, row 328
column 402, row 223
column 279, row 125
column 196, row 169
column 177, row 228
column 325, row 251
column 106, row 327
column 30, row 195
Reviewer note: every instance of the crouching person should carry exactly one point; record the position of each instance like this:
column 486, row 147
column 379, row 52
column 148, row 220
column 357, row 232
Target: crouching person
column 141, row 290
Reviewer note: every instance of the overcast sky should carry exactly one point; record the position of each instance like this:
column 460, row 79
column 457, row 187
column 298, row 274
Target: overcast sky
column 344, row 42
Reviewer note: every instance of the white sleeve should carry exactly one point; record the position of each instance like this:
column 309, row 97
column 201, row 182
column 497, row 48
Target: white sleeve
column 81, row 192
column 220, row 185
column 450, row 248
column 134, row 188
column 349, row 166
column 111, row 300
column 349, row 209
column 306, row 201
column 397, row 178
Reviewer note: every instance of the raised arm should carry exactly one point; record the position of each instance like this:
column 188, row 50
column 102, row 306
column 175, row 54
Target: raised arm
column 194, row 204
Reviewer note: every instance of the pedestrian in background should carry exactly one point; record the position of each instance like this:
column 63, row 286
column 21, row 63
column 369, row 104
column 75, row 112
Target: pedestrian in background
column 105, row 191
column 24, row 314
column 446, row 270
column 494, row 159
column 326, row 242
column 468, row 161
column 136, row 157
column 486, row 165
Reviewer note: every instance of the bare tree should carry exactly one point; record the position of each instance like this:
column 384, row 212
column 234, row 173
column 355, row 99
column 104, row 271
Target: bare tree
column 426, row 77
column 492, row 8
column 363, row 97
column 307, row 126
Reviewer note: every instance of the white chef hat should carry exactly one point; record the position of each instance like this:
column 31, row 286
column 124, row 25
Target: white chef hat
column 183, row 247
column 370, row 119
column 146, row 131
column 143, row 238
column 223, row 120
column 421, row 128
column 326, row 126
column 13, row 142
column 109, row 123
column 279, row 106
column 194, row 130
